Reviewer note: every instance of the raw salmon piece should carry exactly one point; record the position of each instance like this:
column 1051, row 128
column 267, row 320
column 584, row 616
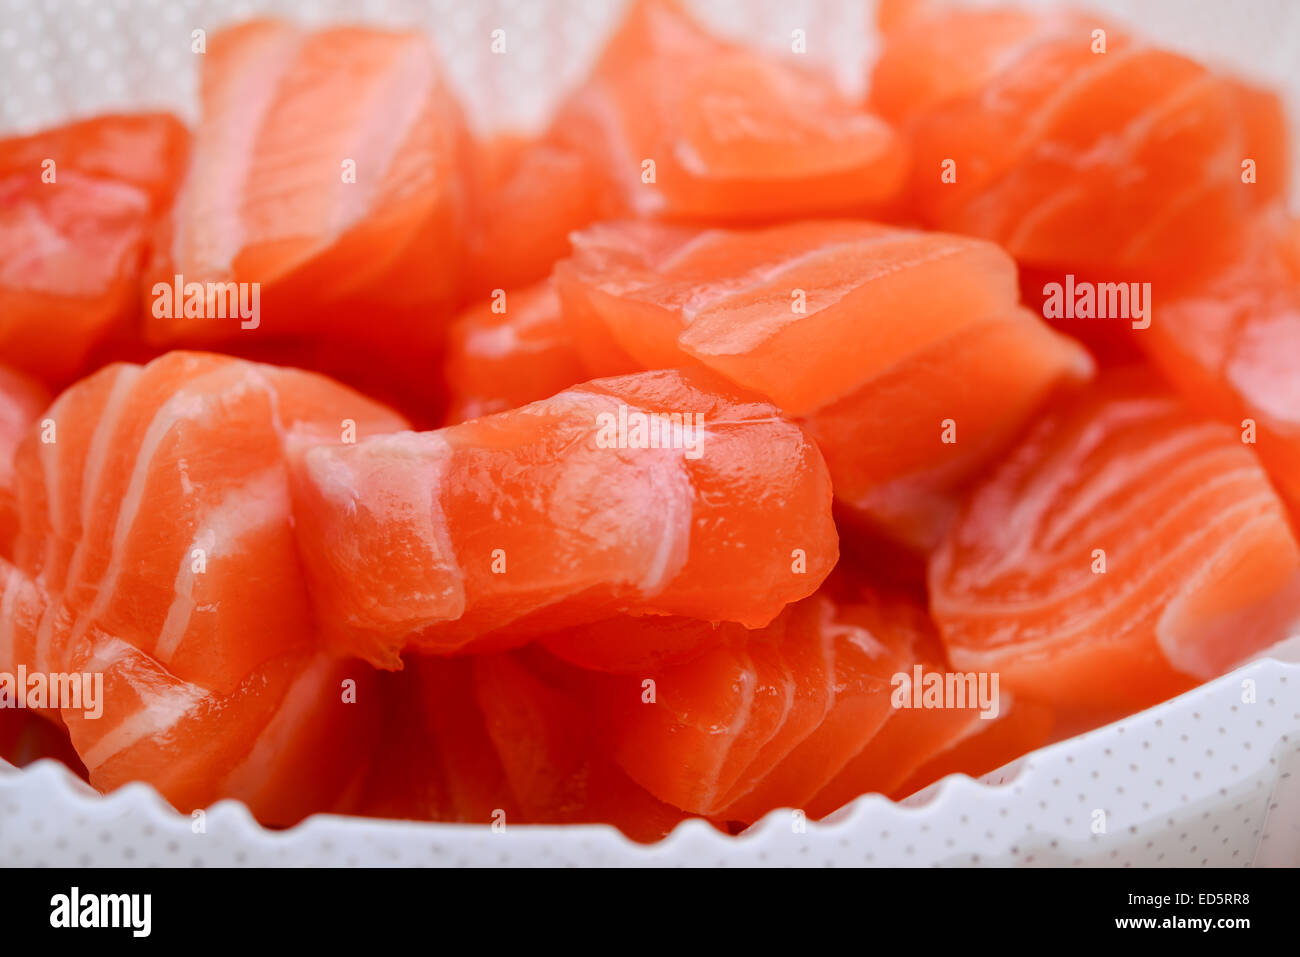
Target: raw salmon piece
column 284, row 740
column 1230, row 341
column 529, row 196
column 1264, row 123
column 917, row 747
column 733, row 134
column 114, row 508
column 1023, row 726
column 157, row 548
column 1128, row 158
column 637, row 645
column 902, row 745
column 877, row 335
column 77, row 207
column 434, row 759
column 760, row 722
column 21, row 400
column 1289, row 245
column 875, row 632
column 508, row 351
column 1126, row 550
column 146, row 151
column 330, row 169
column 892, row 14
column 546, row 738
column 1109, row 341
column 921, row 67
column 909, row 736
column 559, row 513
column 497, row 740
column 752, row 304
column 883, row 444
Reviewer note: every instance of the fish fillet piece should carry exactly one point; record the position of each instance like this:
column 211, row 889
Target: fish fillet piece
column 500, row 739
column 22, row 400
column 760, row 721
column 734, row 135
column 564, row 512
column 434, row 759
column 529, row 194
column 905, row 352
column 1024, row 131
column 508, row 351
column 329, row 169
column 547, row 739
column 78, row 205
column 639, row 644
column 1230, row 342
column 981, row 747
column 1125, row 551
column 156, row 549
column 915, row 748
column 919, row 745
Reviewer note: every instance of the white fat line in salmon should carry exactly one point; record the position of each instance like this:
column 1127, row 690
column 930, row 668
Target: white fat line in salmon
column 952, row 689
column 74, row 909
column 75, row 691
column 633, row 429
column 1105, row 300
column 211, row 300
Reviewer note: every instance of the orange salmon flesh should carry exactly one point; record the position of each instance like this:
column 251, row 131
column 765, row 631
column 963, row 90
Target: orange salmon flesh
column 727, row 443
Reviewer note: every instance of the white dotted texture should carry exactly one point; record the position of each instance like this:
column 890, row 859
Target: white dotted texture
column 61, row 58
column 64, row 58
column 1208, row 779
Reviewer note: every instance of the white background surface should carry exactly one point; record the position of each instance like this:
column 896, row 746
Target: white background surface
column 64, row 57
